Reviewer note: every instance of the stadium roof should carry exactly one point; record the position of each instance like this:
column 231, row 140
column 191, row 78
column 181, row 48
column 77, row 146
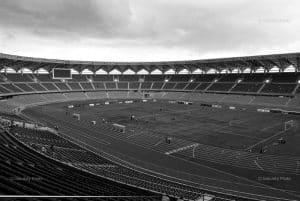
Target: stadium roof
column 266, row 62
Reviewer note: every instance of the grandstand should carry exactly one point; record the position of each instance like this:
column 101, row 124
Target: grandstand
column 24, row 172
column 138, row 163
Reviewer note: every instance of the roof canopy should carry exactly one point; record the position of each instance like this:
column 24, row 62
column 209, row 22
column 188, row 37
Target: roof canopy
column 267, row 62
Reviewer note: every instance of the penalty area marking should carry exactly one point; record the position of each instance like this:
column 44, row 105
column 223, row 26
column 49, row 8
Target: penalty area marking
column 269, row 127
column 257, row 164
column 135, row 134
column 167, row 113
column 264, row 140
column 159, row 142
column 182, row 149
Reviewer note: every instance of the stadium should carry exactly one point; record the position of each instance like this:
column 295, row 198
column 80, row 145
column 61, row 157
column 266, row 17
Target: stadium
column 137, row 100
column 219, row 136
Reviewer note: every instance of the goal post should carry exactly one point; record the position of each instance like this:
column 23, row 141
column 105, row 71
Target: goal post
column 118, row 127
column 289, row 124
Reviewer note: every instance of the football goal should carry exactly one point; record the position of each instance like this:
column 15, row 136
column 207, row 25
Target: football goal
column 289, row 124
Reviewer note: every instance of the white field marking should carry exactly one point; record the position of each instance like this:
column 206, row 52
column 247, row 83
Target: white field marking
column 237, row 121
column 246, row 136
column 231, row 133
column 264, row 140
column 256, row 163
column 274, row 164
column 135, row 134
column 264, row 186
column 290, row 99
column 64, row 95
column 150, row 134
column 240, row 121
column 272, row 126
column 159, row 142
column 232, row 121
column 252, row 99
column 181, row 149
column 165, row 113
column 194, row 148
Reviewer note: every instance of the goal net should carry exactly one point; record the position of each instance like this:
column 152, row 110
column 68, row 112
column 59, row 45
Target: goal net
column 290, row 124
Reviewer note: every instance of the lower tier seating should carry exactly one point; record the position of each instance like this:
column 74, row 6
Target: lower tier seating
column 24, row 172
column 278, row 88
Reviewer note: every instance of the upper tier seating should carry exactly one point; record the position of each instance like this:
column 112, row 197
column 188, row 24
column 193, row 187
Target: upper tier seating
column 206, row 78
column 263, row 84
column 102, row 78
column 255, row 77
column 44, row 77
column 229, row 77
column 180, row 78
column 155, row 78
column 17, row 77
column 129, row 78
column 284, row 77
column 79, row 78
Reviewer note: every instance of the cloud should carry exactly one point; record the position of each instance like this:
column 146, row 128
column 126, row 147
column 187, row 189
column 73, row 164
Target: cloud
column 193, row 28
column 56, row 17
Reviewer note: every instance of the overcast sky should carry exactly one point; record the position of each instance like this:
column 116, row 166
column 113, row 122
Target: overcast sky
column 148, row 30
